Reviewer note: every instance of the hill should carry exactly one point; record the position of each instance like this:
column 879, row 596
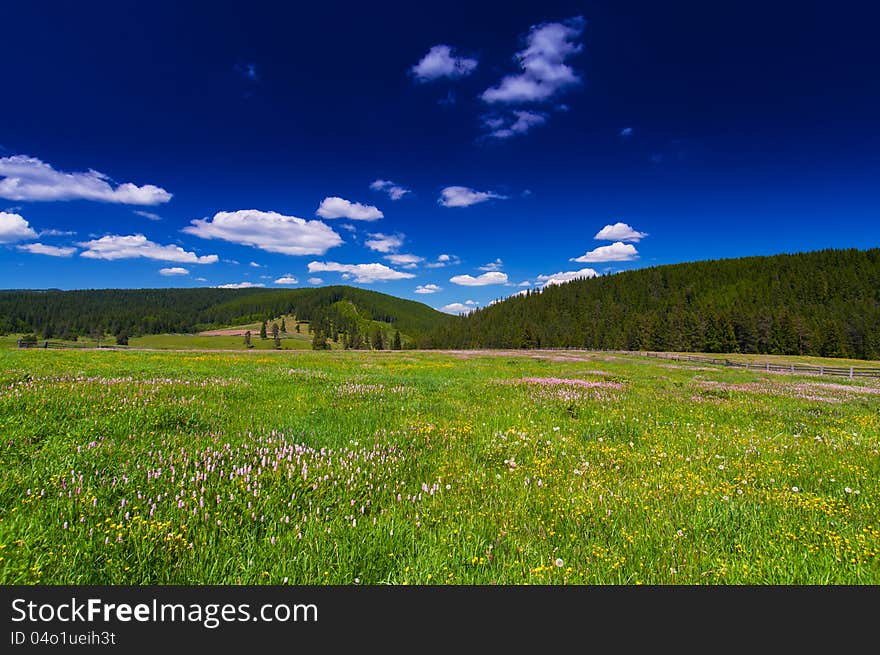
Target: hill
column 817, row 303
column 334, row 310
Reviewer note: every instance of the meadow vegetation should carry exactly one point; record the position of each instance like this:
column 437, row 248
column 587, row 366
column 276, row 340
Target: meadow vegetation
column 410, row 467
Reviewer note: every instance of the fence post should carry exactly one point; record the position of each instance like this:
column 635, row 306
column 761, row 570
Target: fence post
column 768, row 366
column 792, row 368
column 821, row 370
column 850, row 372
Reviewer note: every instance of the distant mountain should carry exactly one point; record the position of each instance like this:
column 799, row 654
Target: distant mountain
column 817, row 303
column 335, row 309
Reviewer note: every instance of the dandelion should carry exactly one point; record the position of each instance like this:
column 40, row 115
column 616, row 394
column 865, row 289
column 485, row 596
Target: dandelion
column 795, row 489
column 848, row 490
column 559, row 563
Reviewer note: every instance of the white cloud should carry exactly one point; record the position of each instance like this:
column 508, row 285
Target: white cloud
column 462, row 196
column 269, row 231
column 524, row 284
column 616, row 252
column 255, row 265
column 43, row 249
column 116, row 246
column 336, row 207
column 176, row 270
column 405, row 261
column 394, row 191
column 444, row 260
column 287, row 279
column 497, row 265
column 13, row 227
column 239, row 285
column 619, row 232
column 626, row 132
column 56, row 233
column 384, row 242
column 456, row 308
column 440, row 62
column 201, row 279
column 519, row 123
column 471, row 302
column 493, row 277
column 362, row 273
column 315, row 280
column 428, row 288
column 28, row 178
column 543, row 63
column 150, row 215
column 567, row 276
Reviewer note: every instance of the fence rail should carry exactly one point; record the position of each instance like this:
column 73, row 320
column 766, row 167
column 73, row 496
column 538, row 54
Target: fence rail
column 851, row 372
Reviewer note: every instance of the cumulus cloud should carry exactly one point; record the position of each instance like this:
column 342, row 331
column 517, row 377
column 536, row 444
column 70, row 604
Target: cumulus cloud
column 619, row 232
column 544, row 71
column 150, row 215
column 315, row 280
column 524, row 284
column 616, row 252
column 43, row 249
column 362, row 273
column 518, row 122
column 561, row 277
column 457, row 308
column 336, row 207
column 394, row 191
column 132, row 246
column 384, row 242
column 269, row 231
column 13, row 227
column 405, row 260
column 28, row 178
column 428, row 288
column 497, row 265
column 176, row 270
column 462, row 196
column 255, row 265
column 493, row 277
column 441, row 62
column 239, row 285
column 626, row 132
column 287, row 279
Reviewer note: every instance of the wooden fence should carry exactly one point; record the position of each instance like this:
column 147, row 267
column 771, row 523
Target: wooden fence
column 851, row 372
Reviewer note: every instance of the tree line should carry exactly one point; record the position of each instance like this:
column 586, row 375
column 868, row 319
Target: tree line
column 824, row 303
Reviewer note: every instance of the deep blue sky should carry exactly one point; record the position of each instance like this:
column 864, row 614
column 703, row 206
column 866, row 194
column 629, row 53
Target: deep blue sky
column 752, row 129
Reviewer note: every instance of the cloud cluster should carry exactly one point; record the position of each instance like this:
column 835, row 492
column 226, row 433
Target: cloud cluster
column 239, row 285
column 493, row 277
column 13, row 227
column 616, row 252
column 28, row 178
column 518, row 122
column 459, row 307
column 43, row 249
column 405, row 260
column 444, row 260
column 287, row 279
column 619, row 232
column 336, row 207
column 361, row 273
column 269, row 231
column 133, row 246
column 394, row 191
column 462, row 196
column 497, row 265
column 561, row 277
column 384, row 242
column 441, row 62
column 544, row 71
column 427, row 288
column 150, row 215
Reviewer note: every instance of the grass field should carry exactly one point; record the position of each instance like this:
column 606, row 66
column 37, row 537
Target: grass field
column 431, row 468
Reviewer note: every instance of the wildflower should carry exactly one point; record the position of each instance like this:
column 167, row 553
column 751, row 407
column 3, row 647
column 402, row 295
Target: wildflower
column 559, row 563
column 848, row 490
column 795, row 489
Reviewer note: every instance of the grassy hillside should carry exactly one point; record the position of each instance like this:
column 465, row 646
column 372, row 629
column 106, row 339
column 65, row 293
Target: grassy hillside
column 61, row 314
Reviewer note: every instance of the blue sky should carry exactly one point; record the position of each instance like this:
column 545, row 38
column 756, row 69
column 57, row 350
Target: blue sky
column 453, row 154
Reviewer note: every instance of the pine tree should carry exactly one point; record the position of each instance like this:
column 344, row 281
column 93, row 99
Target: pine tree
column 396, row 345
column 378, row 342
column 275, row 330
column 263, row 331
column 283, row 326
column 247, row 339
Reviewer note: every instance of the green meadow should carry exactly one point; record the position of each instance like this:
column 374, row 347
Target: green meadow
column 412, row 467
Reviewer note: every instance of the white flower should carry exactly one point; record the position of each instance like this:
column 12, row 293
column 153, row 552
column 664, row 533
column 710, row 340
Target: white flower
column 795, row 489
column 559, row 563
column 847, row 490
